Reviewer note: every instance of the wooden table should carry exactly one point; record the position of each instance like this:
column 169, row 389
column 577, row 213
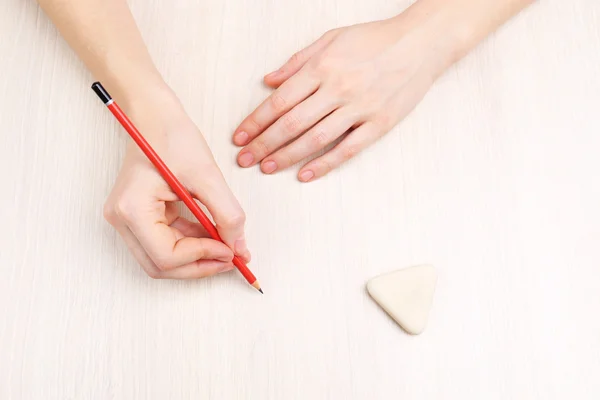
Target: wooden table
column 494, row 179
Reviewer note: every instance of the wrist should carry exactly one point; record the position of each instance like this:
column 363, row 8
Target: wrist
column 457, row 26
column 444, row 33
column 154, row 108
column 150, row 96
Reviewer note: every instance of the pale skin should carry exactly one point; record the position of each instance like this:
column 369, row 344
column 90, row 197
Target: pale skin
column 354, row 83
column 359, row 82
column 141, row 206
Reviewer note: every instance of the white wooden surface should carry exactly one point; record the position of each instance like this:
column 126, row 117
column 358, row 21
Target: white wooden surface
column 494, row 179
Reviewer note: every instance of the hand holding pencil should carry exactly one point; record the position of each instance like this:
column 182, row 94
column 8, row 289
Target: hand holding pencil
column 169, row 161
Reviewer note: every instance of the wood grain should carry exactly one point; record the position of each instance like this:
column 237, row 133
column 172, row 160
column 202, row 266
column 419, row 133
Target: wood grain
column 494, row 179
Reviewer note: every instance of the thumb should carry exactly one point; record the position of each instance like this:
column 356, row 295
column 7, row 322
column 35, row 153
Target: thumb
column 230, row 219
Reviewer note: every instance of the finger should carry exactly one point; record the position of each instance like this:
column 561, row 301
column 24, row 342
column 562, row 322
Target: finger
column 189, row 228
column 282, row 100
column 212, row 191
column 356, row 141
column 138, row 252
column 168, row 248
column 289, row 126
column 318, row 137
column 195, row 270
column 297, row 61
column 171, row 212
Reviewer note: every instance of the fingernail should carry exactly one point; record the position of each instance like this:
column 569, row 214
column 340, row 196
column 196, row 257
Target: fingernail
column 307, row 175
column 269, row 167
column 240, row 138
column 246, row 159
column 274, row 74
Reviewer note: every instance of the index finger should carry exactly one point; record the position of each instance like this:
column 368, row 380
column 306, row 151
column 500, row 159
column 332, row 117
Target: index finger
column 168, row 248
column 290, row 93
column 194, row 270
column 211, row 190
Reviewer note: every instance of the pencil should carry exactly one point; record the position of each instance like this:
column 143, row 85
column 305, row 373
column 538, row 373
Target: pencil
column 169, row 177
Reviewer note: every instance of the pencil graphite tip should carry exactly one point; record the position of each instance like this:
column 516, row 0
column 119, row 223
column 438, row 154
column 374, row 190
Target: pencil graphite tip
column 256, row 286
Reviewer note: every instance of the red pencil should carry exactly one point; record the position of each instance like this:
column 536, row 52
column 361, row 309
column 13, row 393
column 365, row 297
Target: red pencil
column 168, row 176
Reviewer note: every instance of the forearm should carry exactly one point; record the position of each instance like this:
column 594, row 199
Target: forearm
column 104, row 35
column 459, row 25
column 476, row 19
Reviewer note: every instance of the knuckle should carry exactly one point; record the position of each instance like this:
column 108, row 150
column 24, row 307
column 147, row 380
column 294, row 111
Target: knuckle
column 345, row 88
column 253, row 123
column 155, row 273
column 326, row 166
column 331, row 33
column 319, row 139
column 109, row 213
column 234, row 220
column 278, row 103
column 201, row 253
column 262, row 147
column 383, row 121
column 311, row 71
column 123, row 209
column 348, row 152
column 322, row 66
column 296, row 58
column 289, row 160
column 291, row 123
column 285, row 159
column 163, row 263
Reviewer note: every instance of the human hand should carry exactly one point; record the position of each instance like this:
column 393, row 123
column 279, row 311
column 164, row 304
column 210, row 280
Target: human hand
column 361, row 79
column 143, row 208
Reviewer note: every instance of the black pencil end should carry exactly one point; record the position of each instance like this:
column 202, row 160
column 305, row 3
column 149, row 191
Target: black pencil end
column 260, row 290
column 101, row 92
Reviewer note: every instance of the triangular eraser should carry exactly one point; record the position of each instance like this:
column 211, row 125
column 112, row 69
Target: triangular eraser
column 406, row 295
